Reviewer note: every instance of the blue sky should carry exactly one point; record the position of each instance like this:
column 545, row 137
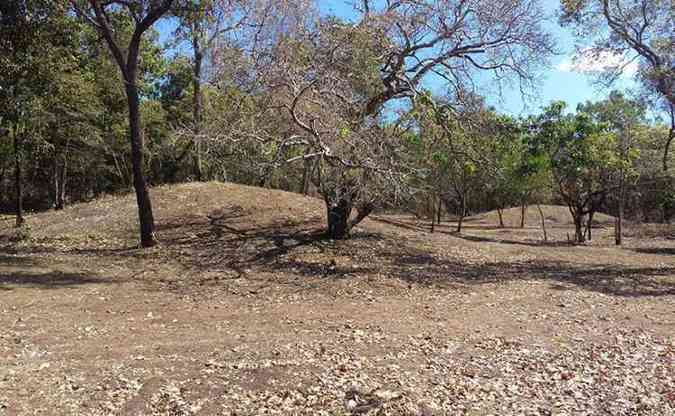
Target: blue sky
column 560, row 82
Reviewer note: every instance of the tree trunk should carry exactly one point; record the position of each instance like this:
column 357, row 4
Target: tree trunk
column 431, row 212
column 307, row 175
column 60, row 183
column 145, row 217
column 362, row 212
column 462, row 214
column 3, row 189
column 523, row 211
column 438, row 210
column 18, row 180
column 589, row 225
column 618, row 221
column 197, row 106
column 338, row 219
column 579, row 234
column 543, row 222
column 500, row 213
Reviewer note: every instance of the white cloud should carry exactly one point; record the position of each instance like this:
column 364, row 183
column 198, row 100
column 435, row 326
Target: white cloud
column 589, row 62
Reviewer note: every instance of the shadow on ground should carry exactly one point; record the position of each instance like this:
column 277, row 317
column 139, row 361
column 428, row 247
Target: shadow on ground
column 234, row 245
column 666, row 251
column 300, row 249
column 24, row 272
column 605, row 278
column 45, row 280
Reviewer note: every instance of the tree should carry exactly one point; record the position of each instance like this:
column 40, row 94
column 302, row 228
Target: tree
column 635, row 31
column 582, row 154
column 102, row 15
column 32, row 34
column 338, row 79
column 625, row 118
column 202, row 24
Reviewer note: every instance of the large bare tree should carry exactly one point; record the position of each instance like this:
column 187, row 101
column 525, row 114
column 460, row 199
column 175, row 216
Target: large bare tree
column 145, row 13
column 337, row 80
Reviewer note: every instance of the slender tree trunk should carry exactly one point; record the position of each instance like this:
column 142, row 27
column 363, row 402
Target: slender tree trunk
column 431, row 211
column 543, row 222
column 589, row 225
column 18, row 180
column 3, row 189
column 146, row 220
column 338, row 219
column 500, row 213
column 618, row 226
column 462, row 214
column 618, row 221
column 61, row 199
column 56, row 182
column 523, row 211
column 197, row 106
column 60, row 174
column 438, row 210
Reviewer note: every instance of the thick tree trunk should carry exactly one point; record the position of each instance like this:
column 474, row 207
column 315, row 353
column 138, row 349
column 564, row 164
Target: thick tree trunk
column 362, row 211
column 197, row 106
column 146, row 220
column 338, row 219
column 18, row 180
column 579, row 235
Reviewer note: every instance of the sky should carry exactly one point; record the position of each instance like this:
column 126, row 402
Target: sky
column 568, row 79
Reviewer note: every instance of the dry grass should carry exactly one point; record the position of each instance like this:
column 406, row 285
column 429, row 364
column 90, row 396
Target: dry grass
column 554, row 215
column 246, row 309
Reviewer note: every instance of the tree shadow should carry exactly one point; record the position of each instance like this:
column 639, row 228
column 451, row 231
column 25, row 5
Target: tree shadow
column 509, row 242
column 21, row 271
column 46, row 279
column 666, row 251
column 235, row 244
column 608, row 279
column 221, row 244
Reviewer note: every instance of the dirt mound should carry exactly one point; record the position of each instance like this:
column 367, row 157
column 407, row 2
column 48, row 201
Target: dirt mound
column 116, row 218
column 556, row 215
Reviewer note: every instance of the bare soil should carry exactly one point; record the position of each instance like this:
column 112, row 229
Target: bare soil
column 246, row 309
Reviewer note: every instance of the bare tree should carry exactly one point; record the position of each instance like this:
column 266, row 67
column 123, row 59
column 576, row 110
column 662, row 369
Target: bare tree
column 337, row 80
column 454, row 39
column 144, row 14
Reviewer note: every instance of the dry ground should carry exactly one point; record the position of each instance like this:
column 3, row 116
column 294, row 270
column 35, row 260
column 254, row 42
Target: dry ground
column 244, row 309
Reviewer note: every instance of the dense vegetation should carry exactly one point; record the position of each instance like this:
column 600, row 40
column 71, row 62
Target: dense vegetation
column 276, row 94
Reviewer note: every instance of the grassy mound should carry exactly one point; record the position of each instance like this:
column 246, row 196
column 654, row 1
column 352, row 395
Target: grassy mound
column 115, row 217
